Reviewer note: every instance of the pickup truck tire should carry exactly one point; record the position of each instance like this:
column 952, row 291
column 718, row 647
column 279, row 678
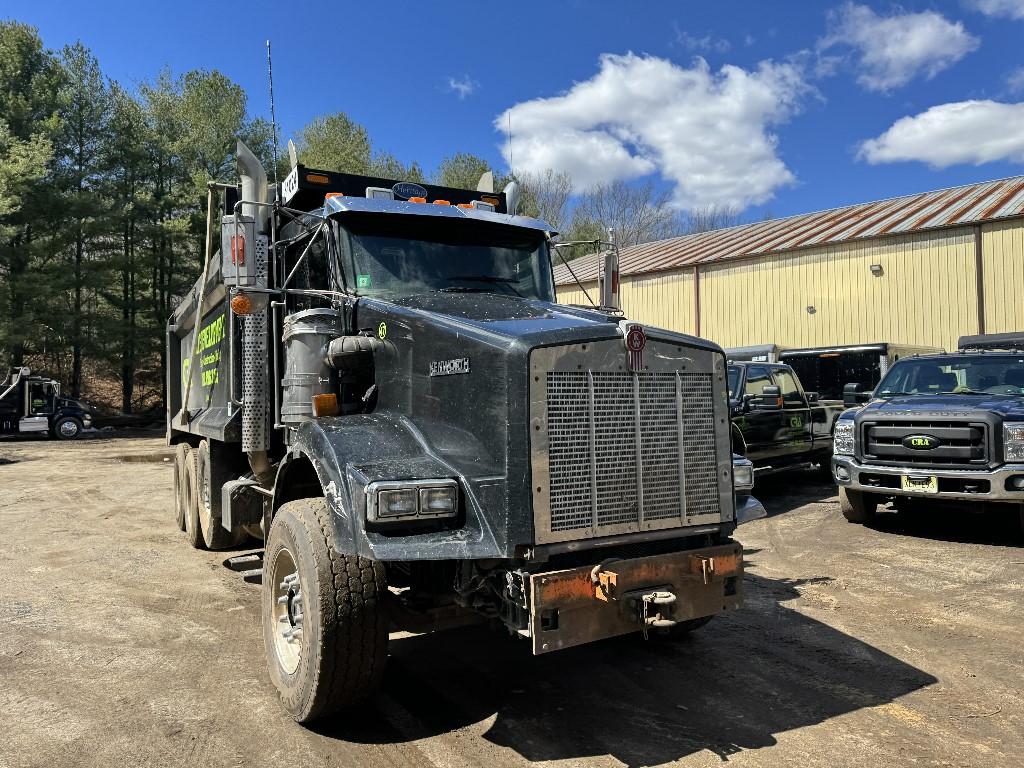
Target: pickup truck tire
column 857, row 506
column 337, row 658
column 67, row 428
column 181, row 451
column 212, row 477
column 190, row 475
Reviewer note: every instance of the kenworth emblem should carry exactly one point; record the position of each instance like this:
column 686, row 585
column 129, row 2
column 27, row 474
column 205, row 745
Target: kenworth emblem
column 636, row 340
column 407, row 189
column 449, row 367
column 921, row 442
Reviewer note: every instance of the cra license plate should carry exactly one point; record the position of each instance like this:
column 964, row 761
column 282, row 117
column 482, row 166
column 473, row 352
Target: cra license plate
column 920, row 483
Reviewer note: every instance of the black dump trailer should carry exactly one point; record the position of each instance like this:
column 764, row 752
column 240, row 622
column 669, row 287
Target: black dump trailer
column 839, row 372
column 375, row 378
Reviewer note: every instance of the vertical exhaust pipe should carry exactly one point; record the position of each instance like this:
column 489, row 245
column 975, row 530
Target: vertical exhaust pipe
column 254, row 186
column 610, row 283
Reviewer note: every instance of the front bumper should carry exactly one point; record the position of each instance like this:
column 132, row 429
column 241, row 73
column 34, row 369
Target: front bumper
column 615, row 597
column 990, row 485
column 748, row 509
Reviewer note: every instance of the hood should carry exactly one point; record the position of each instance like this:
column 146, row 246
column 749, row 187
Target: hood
column 510, row 316
column 1007, row 406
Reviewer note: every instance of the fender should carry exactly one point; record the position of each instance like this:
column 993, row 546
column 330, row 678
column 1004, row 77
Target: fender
column 347, row 452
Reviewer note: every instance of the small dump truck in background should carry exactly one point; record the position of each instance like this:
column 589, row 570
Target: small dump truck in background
column 33, row 404
column 374, row 376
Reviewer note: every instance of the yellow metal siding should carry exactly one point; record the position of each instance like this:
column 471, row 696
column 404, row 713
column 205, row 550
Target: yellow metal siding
column 1002, row 247
column 925, row 297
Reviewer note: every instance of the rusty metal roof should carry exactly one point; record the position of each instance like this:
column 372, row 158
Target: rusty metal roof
column 957, row 206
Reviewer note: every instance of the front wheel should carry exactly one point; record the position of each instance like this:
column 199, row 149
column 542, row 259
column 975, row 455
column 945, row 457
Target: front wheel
column 325, row 627
column 67, row 428
column 857, row 506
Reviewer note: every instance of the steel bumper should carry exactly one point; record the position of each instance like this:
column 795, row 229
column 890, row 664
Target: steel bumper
column 856, row 471
column 615, row 597
column 749, row 509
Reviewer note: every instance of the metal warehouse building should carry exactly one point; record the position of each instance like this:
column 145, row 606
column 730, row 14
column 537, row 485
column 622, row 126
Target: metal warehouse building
column 921, row 269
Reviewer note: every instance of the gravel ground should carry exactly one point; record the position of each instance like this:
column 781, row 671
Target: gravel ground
column 120, row 646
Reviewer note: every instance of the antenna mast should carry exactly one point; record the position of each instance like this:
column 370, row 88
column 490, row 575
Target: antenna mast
column 273, row 119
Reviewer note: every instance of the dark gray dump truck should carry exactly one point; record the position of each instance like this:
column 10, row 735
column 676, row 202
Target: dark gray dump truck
column 374, row 377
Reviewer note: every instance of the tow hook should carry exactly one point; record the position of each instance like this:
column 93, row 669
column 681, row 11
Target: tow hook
column 654, row 609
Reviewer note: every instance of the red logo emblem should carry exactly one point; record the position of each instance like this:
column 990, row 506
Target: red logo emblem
column 636, row 340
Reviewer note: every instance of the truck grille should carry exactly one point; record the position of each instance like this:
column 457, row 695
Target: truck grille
column 961, row 443
column 629, row 447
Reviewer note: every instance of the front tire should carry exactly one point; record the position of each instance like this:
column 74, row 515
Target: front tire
column 67, row 428
column 857, row 506
column 336, row 602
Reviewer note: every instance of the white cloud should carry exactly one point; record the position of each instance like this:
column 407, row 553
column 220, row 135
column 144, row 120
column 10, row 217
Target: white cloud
column 972, row 132
column 893, row 50
column 1015, row 80
column 706, row 43
column 1012, row 9
column 706, row 132
column 462, row 86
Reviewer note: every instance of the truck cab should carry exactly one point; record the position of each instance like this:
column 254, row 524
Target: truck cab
column 939, row 428
column 33, row 404
column 775, row 422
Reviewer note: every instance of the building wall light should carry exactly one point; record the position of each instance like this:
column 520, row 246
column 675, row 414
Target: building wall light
column 876, row 270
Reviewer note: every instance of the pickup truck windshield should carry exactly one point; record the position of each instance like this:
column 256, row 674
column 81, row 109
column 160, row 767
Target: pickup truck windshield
column 992, row 374
column 401, row 258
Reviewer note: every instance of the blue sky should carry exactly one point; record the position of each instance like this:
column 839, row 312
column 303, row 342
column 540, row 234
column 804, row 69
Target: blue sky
column 781, row 129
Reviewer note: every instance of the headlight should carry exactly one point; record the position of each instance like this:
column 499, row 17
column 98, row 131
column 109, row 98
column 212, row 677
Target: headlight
column 843, row 440
column 411, row 500
column 1013, row 441
column 742, row 475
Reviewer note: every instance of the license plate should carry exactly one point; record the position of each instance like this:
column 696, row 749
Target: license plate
column 920, row 484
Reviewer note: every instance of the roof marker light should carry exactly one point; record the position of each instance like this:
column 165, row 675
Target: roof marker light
column 417, row 199
column 441, row 202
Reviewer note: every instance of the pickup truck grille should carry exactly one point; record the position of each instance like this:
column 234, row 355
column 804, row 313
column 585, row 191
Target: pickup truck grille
column 629, row 447
column 961, row 443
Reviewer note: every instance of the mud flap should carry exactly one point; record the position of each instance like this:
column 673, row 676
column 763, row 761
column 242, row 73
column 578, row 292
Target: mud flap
column 615, row 597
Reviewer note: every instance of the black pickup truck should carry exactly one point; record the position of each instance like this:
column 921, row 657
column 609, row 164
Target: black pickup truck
column 775, row 423
column 939, row 428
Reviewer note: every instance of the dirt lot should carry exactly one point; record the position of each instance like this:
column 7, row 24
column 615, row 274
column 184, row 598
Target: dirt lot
column 120, row 646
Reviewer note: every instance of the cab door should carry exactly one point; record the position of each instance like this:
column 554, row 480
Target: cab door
column 762, row 423
column 795, row 437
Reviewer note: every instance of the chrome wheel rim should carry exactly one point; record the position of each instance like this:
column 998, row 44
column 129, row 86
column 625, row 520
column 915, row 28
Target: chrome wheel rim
column 68, row 429
column 287, row 611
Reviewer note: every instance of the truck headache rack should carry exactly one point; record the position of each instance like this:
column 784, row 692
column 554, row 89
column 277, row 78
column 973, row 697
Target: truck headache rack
column 1009, row 341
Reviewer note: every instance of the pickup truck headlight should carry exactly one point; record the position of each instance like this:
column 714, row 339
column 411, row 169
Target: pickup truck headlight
column 742, row 475
column 1013, row 441
column 392, row 501
column 843, row 438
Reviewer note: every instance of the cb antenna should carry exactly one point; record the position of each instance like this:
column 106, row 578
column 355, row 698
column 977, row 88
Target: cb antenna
column 273, row 119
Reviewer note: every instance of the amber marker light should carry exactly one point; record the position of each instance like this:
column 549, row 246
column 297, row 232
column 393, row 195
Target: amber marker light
column 241, row 303
column 329, row 195
column 325, row 405
column 317, row 178
column 417, row 199
column 441, row 202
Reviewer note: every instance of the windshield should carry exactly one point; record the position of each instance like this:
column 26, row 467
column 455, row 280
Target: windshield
column 422, row 255
column 988, row 374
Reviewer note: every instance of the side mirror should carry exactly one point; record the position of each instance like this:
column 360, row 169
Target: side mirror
column 853, row 396
column 812, row 397
column 771, row 399
column 746, row 400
